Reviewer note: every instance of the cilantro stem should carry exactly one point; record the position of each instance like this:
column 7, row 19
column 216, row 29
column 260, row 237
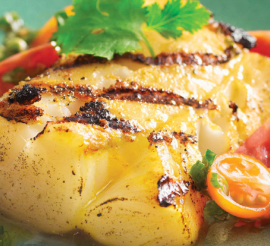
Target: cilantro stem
column 148, row 45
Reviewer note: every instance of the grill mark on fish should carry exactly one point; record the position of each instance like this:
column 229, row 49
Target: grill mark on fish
column 27, row 95
column 94, row 112
column 136, row 92
column 159, row 137
column 169, row 189
column 239, row 35
column 19, row 113
column 129, row 92
column 79, row 91
column 183, row 58
column 163, row 59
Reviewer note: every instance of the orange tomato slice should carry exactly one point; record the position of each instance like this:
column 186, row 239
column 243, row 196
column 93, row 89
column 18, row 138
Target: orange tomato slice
column 240, row 185
column 45, row 33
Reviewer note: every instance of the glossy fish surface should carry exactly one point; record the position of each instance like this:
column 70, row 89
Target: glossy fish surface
column 106, row 146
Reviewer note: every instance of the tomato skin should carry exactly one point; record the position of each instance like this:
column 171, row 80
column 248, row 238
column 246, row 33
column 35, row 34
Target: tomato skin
column 258, row 144
column 29, row 59
column 45, row 33
column 246, row 177
column 263, row 42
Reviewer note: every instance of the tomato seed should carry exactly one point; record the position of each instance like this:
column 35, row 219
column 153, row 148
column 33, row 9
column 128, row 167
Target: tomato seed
column 261, row 198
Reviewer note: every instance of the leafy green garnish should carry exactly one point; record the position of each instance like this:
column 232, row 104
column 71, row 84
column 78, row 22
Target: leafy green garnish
column 218, row 182
column 105, row 27
column 61, row 17
column 17, row 37
column 213, row 212
column 200, row 170
column 117, row 29
column 175, row 17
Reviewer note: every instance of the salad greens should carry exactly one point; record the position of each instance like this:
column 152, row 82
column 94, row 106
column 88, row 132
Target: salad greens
column 17, row 37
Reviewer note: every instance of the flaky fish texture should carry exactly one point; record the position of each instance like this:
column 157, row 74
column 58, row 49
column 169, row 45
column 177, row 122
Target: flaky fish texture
column 105, row 147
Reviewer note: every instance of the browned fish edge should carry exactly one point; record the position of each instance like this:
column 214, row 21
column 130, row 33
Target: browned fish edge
column 19, row 113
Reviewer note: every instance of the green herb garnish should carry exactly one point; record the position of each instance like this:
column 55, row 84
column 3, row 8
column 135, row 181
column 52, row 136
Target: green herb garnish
column 200, row 170
column 218, row 182
column 105, row 27
column 213, row 212
column 17, row 37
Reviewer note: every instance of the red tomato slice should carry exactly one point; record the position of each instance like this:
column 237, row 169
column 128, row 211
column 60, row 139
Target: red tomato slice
column 258, row 145
column 239, row 184
column 44, row 54
column 263, row 42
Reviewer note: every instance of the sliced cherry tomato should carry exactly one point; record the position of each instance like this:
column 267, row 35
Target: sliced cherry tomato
column 29, row 60
column 258, row 144
column 240, row 185
column 263, row 42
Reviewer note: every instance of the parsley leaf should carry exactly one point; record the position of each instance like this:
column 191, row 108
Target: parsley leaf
column 200, row 170
column 115, row 29
column 106, row 27
column 176, row 16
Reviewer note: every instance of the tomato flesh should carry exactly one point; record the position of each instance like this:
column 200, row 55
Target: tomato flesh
column 263, row 42
column 248, row 185
column 29, row 60
column 258, row 144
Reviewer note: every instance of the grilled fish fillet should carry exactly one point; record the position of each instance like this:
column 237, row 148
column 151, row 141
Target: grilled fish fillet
column 106, row 146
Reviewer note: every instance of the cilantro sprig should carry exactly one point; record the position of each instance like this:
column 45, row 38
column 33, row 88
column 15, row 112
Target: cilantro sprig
column 212, row 212
column 105, row 27
column 200, row 170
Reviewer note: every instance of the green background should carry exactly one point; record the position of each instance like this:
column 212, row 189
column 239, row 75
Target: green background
column 247, row 14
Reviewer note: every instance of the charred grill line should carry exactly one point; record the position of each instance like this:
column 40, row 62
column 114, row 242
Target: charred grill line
column 95, row 113
column 19, row 113
column 185, row 138
column 123, row 91
column 135, row 92
column 239, row 35
column 27, row 95
column 169, row 189
column 159, row 137
column 164, row 58
column 182, row 58
column 80, row 91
